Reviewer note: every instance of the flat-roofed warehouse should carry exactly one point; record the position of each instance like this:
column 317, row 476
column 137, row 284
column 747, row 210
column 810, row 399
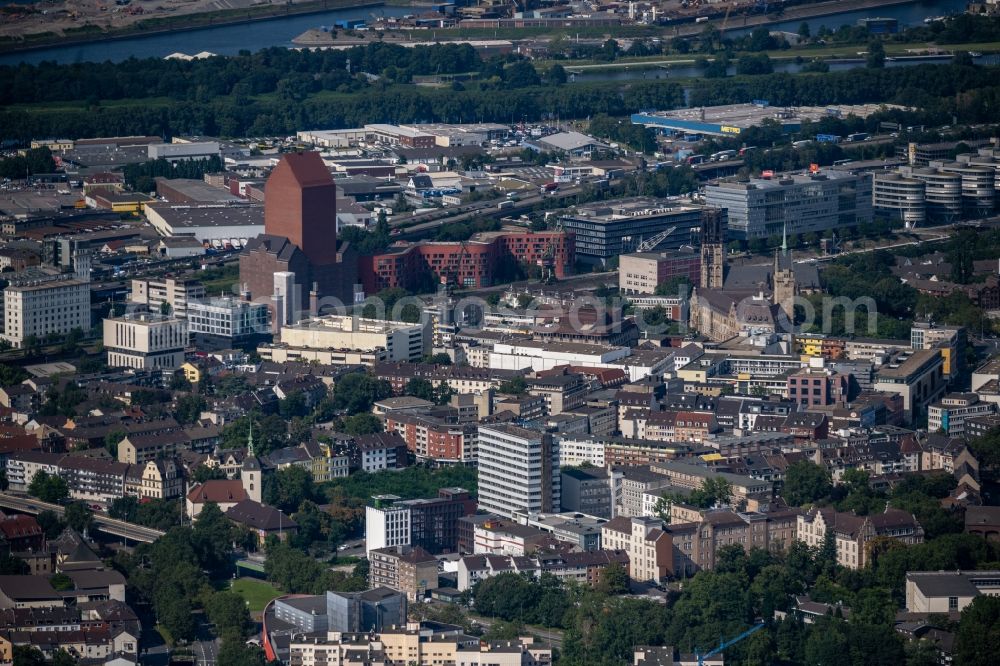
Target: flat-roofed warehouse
column 217, row 222
column 733, row 119
column 192, row 191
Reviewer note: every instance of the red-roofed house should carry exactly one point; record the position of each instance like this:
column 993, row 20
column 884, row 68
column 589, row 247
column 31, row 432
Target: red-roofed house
column 224, row 492
column 694, row 426
column 21, row 533
column 608, row 377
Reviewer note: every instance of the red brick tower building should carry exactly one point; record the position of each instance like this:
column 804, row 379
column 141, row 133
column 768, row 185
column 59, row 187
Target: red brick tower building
column 300, row 203
column 300, row 236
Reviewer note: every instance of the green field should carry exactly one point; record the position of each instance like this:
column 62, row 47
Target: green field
column 257, row 592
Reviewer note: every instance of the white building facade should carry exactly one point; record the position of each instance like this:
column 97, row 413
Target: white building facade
column 518, row 470
column 145, row 341
column 576, row 450
column 386, row 525
column 43, row 307
column 175, row 293
column 228, row 317
column 402, row 341
column 545, row 356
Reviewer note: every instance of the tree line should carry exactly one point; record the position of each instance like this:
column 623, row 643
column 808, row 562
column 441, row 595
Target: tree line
column 244, row 74
column 903, row 85
column 174, row 574
column 141, row 176
column 231, row 117
column 967, row 91
column 870, row 275
column 602, row 628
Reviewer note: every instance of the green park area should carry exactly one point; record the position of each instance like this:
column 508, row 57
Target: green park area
column 257, row 592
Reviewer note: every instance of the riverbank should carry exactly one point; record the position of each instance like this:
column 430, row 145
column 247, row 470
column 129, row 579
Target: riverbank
column 831, row 54
column 182, row 23
column 796, row 13
column 223, row 32
column 736, row 23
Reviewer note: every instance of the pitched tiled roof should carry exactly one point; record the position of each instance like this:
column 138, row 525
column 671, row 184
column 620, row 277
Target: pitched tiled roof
column 259, row 516
column 381, row 440
column 27, row 588
column 218, row 491
column 619, row 524
column 19, row 526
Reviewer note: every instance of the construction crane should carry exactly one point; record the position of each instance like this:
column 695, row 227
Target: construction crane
column 724, row 644
column 451, row 275
column 650, row 243
column 832, row 245
column 548, row 263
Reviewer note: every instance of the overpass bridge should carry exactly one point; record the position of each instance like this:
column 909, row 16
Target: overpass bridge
column 709, row 170
column 119, row 528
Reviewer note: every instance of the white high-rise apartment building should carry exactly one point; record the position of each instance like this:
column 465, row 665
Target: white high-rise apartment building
column 43, row 306
column 145, row 341
column 518, row 470
column 386, row 524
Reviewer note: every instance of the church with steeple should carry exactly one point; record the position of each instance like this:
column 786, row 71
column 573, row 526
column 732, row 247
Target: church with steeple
column 754, row 301
column 233, row 490
column 783, row 285
column 241, row 499
column 250, row 473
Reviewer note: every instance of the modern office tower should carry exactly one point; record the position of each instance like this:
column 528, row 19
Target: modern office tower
column 605, row 230
column 942, row 194
column 387, row 523
column 228, row 317
column 802, row 203
column 898, row 197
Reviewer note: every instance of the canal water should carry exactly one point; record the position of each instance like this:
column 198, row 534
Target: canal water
column 230, row 39
column 221, row 40
column 908, row 15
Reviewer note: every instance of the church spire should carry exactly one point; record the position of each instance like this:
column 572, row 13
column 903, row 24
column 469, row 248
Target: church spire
column 784, row 240
column 250, row 440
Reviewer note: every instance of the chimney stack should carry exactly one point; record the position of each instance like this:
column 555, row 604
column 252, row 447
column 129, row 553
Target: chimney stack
column 314, row 300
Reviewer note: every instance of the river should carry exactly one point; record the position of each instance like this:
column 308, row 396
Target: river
column 908, row 15
column 222, row 40
column 230, row 39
